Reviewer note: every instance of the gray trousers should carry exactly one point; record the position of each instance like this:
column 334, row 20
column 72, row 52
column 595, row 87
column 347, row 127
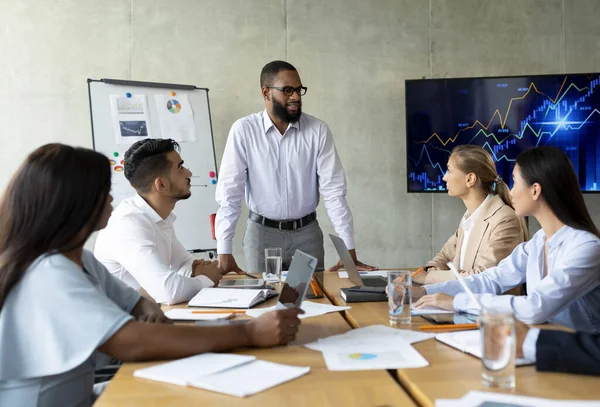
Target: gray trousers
column 257, row 238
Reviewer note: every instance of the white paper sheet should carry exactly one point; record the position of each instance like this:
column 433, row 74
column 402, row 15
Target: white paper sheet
column 371, row 338
column 311, row 309
column 176, row 117
column 405, row 356
column 483, row 399
column 181, row 371
column 130, row 118
column 250, row 378
column 188, row 315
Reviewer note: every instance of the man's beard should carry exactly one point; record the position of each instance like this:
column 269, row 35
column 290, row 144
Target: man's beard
column 280, row 110
column 180, row 194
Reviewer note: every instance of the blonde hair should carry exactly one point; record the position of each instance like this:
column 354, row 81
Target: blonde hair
column 474, row 159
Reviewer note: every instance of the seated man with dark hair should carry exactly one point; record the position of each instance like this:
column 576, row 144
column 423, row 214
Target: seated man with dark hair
column 139, row 245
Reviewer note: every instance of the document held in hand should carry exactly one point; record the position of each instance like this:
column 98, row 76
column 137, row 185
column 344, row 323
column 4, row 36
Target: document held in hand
column 236, row 375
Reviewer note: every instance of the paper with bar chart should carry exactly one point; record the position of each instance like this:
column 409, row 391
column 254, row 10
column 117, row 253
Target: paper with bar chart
column 505, row 116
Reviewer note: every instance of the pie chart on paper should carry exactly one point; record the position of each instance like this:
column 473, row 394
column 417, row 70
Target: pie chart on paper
column 173, row 106
column 362, row 356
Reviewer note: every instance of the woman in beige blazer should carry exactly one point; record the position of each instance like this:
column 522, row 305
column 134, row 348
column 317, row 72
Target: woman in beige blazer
column 489, row 230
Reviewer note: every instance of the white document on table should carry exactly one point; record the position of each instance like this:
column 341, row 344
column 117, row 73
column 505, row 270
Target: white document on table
column 483, row 399
column 250, row 378
column 404, row 356
column 181, row 371
column 236, row 375
column 376, row 337
column 311, row 309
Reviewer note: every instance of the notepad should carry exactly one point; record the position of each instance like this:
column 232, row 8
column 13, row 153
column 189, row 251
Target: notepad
column 236, row 375
column 182, row 314
column 230, row 297
column 470, row 342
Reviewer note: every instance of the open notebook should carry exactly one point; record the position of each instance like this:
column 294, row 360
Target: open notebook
column 470, row 342
column 236, row 375
column 230, row 297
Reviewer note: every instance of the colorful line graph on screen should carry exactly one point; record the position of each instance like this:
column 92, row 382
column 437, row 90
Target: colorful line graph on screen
column 505, row 116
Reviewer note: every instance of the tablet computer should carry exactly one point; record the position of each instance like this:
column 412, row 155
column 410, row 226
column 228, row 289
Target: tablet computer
column 298, row 279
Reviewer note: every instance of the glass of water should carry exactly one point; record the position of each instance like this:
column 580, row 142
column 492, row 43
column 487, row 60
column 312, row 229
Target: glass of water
column 399, row 297
column 498, row 342
column 273, row 263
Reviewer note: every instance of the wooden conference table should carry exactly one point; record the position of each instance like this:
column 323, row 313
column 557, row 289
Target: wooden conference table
column 451, row 373
column 319, row 387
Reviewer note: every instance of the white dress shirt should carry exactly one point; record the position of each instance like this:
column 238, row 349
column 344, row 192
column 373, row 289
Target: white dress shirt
column 140, row 248
column 467, row 223
column 282, row 175
column 568, row 295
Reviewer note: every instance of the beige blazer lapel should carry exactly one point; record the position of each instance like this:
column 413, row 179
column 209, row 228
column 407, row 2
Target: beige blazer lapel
column 481, row 226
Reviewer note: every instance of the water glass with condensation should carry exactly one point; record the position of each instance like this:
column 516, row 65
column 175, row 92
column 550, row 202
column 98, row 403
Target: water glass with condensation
column 498, row 342
column 399, row 297
column 273, row 259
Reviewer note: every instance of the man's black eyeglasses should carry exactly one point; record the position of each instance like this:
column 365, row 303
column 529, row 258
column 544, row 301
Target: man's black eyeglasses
column 289, row 90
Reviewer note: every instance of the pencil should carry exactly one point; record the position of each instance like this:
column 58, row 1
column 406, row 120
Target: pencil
column 449, row 327
column 417, row 271
column 221, row 311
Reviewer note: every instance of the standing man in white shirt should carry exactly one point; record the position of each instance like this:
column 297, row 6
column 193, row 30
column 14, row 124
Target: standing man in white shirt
column 139, row 245
column 283, row 160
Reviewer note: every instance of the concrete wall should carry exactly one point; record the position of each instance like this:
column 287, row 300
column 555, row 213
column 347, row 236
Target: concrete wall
column 353, row 55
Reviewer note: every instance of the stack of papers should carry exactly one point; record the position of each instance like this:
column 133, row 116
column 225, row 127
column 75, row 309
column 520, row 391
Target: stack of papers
column 236, row 375
column 479, row 398
column 373, row 347
column 311, row 309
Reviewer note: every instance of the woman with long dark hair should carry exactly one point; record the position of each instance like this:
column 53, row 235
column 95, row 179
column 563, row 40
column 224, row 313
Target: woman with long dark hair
column 560, row 264
column 61, row 312
column 489, row 230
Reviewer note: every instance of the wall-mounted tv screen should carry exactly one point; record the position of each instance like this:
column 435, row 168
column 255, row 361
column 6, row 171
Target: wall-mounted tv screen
column 504, row 115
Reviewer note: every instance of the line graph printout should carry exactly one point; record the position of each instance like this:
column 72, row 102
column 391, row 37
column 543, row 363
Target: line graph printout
column 130, row 118
column 506, row 116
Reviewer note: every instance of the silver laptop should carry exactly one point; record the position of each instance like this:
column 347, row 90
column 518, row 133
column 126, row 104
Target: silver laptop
column 350, row 267
column 298, row 278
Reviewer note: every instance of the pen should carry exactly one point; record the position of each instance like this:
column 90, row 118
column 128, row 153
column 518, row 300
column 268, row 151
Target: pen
column 417, row 271
column 250, row 275
column 221, row 311
column 455, row 327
